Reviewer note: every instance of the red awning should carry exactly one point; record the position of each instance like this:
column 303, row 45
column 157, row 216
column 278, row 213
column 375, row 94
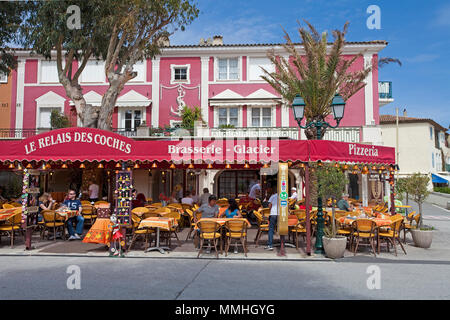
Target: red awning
column 86, row 144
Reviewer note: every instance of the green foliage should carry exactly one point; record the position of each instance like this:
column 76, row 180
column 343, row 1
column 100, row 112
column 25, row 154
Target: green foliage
column 315, row 72
column 442, row 189
column 332, row 182
column 189, row 116
column 59, row 120
column 400, row 188
column 417, row 187
column 226, row 126
column 11, row 15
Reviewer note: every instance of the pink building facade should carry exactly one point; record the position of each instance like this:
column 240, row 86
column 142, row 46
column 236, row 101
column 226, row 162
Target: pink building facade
column 223, row 80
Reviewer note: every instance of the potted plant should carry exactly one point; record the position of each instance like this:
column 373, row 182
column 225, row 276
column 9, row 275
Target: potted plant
column 332, row 183
column 417, row 188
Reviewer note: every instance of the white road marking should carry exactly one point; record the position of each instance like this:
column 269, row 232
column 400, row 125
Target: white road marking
column 440, row 208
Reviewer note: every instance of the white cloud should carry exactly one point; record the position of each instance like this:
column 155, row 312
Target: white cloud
column 422, row 57
column 443, row 16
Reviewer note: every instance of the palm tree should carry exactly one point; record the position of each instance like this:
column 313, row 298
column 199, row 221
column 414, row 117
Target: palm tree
column 318, row 71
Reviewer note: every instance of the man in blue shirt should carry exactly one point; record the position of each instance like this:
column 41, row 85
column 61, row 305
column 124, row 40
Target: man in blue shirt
column 74, row 204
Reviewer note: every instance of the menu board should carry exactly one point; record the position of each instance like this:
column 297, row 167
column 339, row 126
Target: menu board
column 124, row 186
column 30, row 192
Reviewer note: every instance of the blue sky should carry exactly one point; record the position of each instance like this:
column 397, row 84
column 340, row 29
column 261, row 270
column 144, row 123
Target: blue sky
column 418, row 33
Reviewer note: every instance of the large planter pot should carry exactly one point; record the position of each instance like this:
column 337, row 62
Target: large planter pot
column 334, row 247
column 422, row 238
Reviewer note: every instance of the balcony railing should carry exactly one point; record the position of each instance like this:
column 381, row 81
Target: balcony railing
column 344, row 134
column 385, row 89
column 249, row 132
column 20, row 133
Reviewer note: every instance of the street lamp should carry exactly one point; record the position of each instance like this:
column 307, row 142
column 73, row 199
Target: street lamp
column 337, row 107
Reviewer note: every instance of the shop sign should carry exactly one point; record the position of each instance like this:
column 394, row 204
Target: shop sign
column 283, row 182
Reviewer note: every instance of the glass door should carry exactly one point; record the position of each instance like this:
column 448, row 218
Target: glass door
column 132, row 119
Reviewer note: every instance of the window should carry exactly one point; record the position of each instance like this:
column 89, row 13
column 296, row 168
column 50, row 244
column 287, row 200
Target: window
column 93, row 72
column 233, row 183
column 44, row 116
column 228, row 116
column 49, row 71
column 254, row 67
column 228, row 69
column 180, row 73
column 261, row 117
column 132, row 119
column 431, row 133
column 432, row 159
column 3, row 77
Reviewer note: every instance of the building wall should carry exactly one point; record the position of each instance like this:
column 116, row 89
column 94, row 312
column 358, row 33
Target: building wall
column 157, row 85
column 415, row 146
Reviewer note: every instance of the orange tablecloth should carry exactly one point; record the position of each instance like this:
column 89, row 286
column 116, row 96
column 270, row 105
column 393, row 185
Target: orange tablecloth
column 67, row 214
column 5, row 214
column 380, row 222
column 99, row 232
column 157, row 222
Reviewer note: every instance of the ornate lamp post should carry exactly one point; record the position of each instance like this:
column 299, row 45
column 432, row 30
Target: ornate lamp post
column 338, row 107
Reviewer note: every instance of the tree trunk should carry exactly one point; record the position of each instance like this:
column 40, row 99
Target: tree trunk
column 420, row 217
column 333, row 218
column 108, row 104
column 86, row 113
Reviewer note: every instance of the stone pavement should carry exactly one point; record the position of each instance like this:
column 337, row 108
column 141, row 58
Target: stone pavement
column 435, row 216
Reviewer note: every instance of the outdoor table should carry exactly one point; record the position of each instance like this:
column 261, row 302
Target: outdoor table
column 67, row 214
column 99, row 232
column 158, row 223
column 380, row 222
column 5, row 214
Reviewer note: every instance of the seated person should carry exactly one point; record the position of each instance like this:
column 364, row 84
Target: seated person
column 46, row 202
column 210, row 209
column 188, row 199
column 74, row 204
column 233, row 210
column 343, row 203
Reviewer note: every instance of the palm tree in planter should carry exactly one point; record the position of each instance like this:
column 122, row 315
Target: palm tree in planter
column 332, row 183
column 316, row 71
column 417, row 188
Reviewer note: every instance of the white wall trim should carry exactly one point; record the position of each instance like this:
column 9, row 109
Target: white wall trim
column 20, row 93
column 368, row 92
column 155, row 92
column 204, row 90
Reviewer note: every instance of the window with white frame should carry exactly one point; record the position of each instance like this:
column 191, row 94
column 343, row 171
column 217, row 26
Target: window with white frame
column 94, row 71
column 131, row 118
column 49, row 71
column 140, row 67
column 228, row 69
column 3, row 77
column 254, row 67
column 261, row 116
column 179, row 73
column 228, row 116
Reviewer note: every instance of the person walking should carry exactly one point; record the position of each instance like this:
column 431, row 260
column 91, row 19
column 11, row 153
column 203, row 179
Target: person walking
column 273, row 219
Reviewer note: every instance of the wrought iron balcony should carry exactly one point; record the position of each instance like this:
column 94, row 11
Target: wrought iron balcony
column 343, row 134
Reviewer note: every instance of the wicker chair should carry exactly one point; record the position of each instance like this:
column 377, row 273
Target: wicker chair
column 209, row 230
column 12, row 225
column 174, row 229
column 263, row 226
column 392, row 235
column 236, row 229
column 53, row 221
column 145, row 232
column 364, row 229
column 88, row 213
column 408, row 224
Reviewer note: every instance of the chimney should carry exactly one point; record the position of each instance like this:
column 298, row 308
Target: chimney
column 164, row 41
column 217, row 41
column 404, row 113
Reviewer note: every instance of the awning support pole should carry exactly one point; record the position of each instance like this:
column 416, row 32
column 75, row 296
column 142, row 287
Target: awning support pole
column 308, row 221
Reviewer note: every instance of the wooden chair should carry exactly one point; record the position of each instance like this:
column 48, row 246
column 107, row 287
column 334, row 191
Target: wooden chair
column 408, row 225
column 88, row 213
column 11, row 225
column 222, row 203
column 299, row 229
column 236, row 229
column 140, row 211
column 343, row 230
column 263, row 225
column 209, row 230
column 364, row 229
column 53, row 220
column 145, row 232
column 7, row 206
column 193, row 220
column 85, row 203
column 392, row 235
